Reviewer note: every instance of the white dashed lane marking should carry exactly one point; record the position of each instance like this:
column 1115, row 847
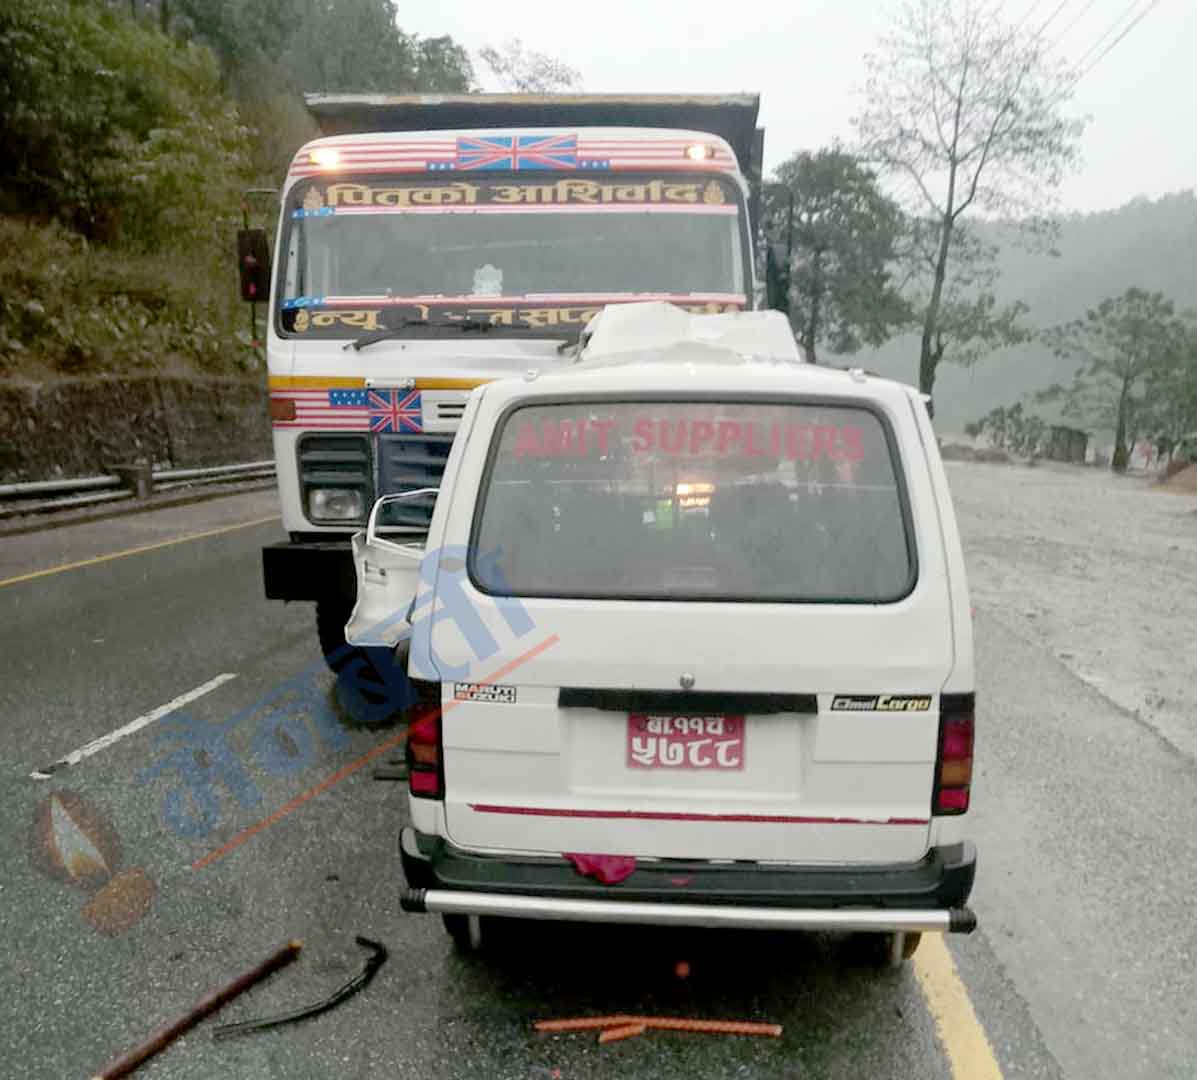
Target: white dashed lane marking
column 104, row 741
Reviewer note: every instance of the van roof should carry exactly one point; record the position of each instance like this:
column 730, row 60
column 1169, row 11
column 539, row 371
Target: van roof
column 699, row 368
column 655, row 346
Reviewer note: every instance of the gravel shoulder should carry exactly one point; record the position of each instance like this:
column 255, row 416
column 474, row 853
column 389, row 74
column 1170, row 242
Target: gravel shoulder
column 1097, row 569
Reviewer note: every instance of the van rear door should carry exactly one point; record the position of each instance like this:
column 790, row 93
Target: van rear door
column 737, row 621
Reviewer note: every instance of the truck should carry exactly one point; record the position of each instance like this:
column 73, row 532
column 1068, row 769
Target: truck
column 429, row 244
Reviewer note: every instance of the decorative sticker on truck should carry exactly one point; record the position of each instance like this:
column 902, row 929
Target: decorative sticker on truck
column 349, row 409
column 510, row 153
column 344, row 197
column 323, row 316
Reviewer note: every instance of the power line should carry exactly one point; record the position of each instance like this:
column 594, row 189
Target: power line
column 1075, row 19
column 1106, row 51
column 1028, row 13
column 1051, row 18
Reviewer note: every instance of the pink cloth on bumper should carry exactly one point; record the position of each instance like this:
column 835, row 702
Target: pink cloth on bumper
column 606, row 869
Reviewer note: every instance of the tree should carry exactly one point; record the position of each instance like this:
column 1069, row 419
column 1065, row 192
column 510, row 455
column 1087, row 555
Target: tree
column 967, row 109
column 1009, row 428
column 324, row 45
column 1170, row 392
column 1125, row 344
column 970, row 324
column 113, row 129
column 525, row 71
column 843, row 247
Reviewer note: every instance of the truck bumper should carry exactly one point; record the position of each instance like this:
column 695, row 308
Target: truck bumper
column 928, row 895
column 310, row 570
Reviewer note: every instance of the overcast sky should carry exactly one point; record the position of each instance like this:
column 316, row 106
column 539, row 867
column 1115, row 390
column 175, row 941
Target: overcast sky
column 804, row 58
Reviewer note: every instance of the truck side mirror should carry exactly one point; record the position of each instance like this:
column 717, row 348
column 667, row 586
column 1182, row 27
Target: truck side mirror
column 253, row 264
column 777, row 278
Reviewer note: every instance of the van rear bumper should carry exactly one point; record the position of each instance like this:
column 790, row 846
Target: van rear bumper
column 928, row 895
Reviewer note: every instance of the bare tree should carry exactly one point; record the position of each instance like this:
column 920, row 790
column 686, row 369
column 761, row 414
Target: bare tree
column 525, row 71
column 969, row 110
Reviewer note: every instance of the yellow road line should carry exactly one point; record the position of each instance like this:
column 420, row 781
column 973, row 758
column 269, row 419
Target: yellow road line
column 136, row 551
column 969, row 1053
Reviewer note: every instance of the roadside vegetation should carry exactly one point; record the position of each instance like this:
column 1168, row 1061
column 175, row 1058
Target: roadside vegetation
column 929, row 230
column 131, row 129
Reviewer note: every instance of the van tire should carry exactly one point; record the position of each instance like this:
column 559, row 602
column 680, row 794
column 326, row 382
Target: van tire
column 466, row 932
column 898, row 948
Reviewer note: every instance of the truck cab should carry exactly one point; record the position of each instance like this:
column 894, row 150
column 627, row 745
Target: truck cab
column 696, row 610
column 428, row 245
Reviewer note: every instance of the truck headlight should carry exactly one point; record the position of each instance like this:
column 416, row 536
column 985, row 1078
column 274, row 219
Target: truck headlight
column 335, row 504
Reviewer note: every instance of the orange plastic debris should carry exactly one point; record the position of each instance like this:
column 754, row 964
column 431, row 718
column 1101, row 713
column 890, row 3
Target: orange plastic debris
column 711, row 1027
column 615, row 1034
column 662, row 1023
column 583, row 1023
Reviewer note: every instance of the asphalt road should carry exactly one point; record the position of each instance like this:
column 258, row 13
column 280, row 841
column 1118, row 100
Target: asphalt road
column 1085, row 819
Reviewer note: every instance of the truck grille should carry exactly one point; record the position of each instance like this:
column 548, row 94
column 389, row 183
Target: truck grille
column 405, row 463
column 335, row 461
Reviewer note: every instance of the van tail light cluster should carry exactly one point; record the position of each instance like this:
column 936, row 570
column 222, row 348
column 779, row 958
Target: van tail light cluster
column 954, row 763
column 425, row 752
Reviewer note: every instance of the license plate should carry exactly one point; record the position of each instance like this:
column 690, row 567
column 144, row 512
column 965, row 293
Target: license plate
column 685, row 742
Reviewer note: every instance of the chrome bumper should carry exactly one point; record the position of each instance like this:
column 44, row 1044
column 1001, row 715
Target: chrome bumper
column 454, row 902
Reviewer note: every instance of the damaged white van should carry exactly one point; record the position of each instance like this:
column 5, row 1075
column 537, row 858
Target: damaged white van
column 693, row 647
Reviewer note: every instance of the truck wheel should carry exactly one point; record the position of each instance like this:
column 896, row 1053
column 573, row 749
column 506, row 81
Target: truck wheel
column 332, row 613
column 466, row 932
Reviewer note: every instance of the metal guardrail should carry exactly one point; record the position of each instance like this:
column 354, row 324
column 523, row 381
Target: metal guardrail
column 30, row 498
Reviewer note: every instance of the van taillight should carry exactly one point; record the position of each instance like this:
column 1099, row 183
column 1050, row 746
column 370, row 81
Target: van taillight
column 425, row 776
column 954, row 763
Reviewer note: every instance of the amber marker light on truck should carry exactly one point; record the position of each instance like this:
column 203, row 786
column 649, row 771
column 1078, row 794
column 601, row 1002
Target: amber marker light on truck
column 700, row 151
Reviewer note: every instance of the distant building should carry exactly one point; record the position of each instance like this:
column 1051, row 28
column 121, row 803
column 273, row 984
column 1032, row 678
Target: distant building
column 1068, row 444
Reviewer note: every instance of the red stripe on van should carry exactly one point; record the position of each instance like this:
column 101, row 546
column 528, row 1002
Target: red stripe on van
column 647, row 815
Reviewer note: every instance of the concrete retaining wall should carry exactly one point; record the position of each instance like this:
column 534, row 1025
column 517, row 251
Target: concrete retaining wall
column 83, row 426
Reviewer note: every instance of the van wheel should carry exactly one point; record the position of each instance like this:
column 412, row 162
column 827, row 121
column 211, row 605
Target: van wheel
column 466, row 932
column 898, row 948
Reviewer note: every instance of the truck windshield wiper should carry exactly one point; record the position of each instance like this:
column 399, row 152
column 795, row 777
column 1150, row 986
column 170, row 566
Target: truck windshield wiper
column 390, row 332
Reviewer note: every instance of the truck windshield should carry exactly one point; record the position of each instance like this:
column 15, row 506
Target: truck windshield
column 694, row 500
column 363, row 256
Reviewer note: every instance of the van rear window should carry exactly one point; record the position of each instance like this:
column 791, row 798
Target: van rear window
column 697, row 500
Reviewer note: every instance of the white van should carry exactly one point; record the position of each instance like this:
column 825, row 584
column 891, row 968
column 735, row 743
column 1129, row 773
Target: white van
column 701, row 608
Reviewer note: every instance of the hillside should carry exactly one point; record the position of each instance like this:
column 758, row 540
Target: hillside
column 1152, row 244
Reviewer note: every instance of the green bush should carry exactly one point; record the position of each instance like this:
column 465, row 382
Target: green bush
column 69, row 306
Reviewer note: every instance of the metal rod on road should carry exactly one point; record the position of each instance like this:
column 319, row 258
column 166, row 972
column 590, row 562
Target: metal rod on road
column 207, row 1005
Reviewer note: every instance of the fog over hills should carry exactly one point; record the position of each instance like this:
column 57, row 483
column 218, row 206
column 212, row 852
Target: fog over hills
column 1150, row 244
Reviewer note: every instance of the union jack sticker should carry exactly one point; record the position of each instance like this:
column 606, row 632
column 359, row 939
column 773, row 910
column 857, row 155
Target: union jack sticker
column 395, row 410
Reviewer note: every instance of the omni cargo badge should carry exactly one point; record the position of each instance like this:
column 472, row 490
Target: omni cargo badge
column 881, row 703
